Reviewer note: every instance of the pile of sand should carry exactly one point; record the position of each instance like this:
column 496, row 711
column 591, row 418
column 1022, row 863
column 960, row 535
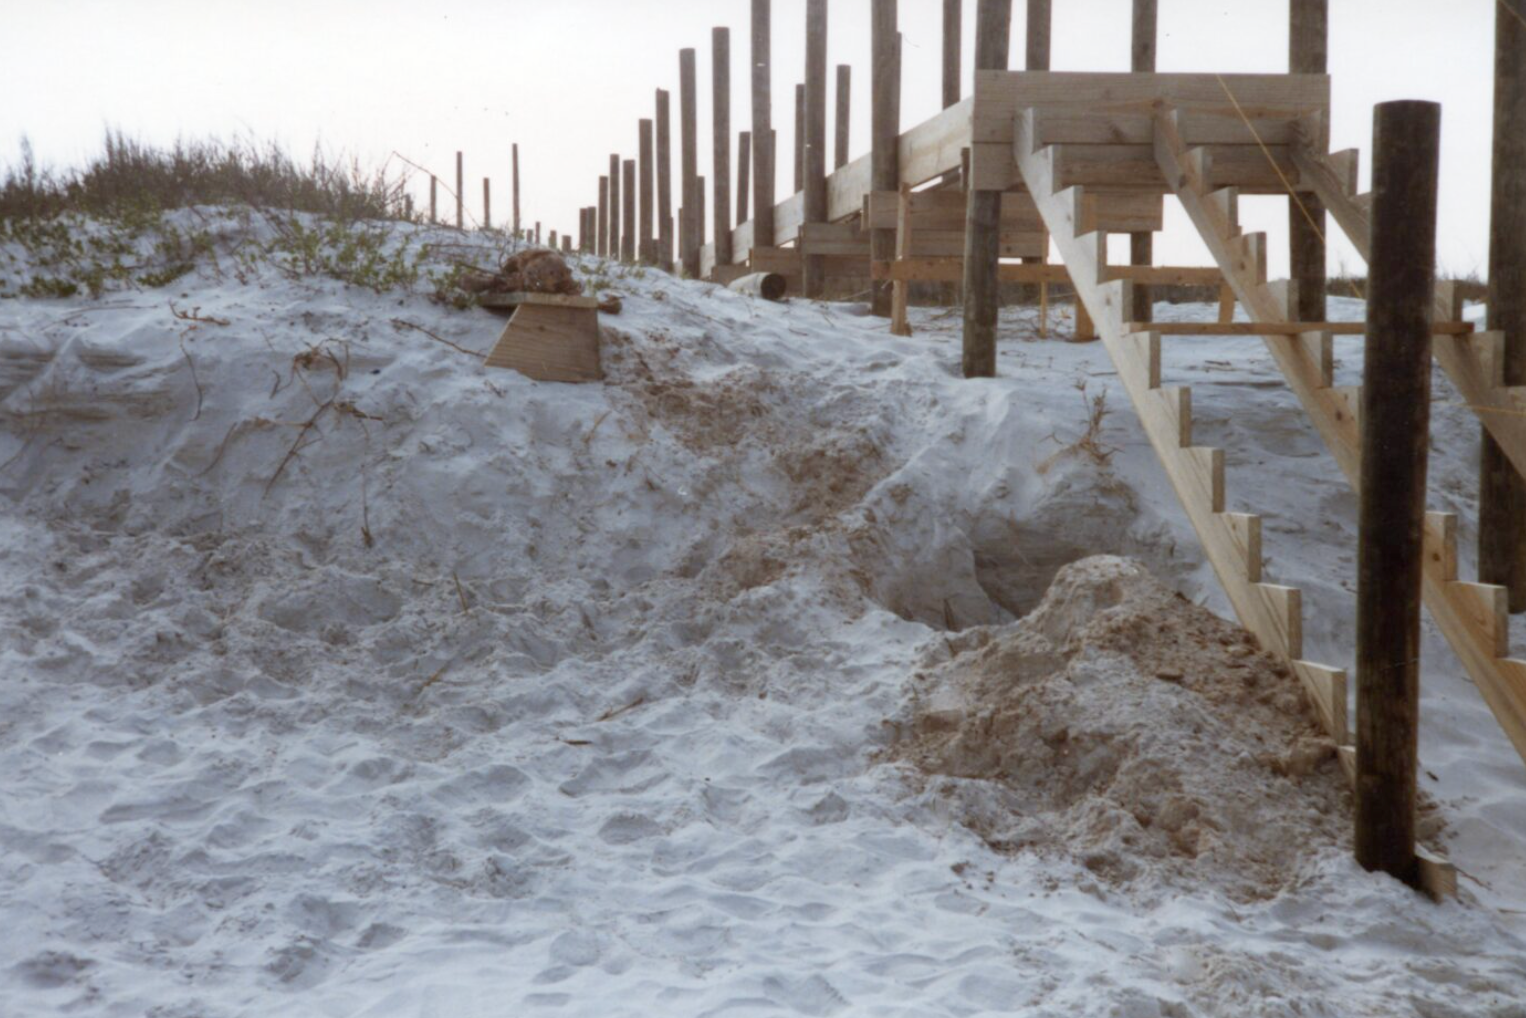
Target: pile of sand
column 1143, row 735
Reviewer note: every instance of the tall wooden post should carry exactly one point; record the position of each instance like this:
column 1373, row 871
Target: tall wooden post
column 434, row 202
column 1395, row 423
column 551, row 241
column 1038, row 36
column 516, row 189
column 628, row 212
column 583, row 229
column 537, row 234
column 762, row 128
column 885, row 131
column 841, row 123
column 1142, row 61
column 689, row 216
column 487, row 204
column 1502, row 492
column 664, row 183
column 699, row 215
column 815, row 187
column 982, row 226
column 601, row 235
column 952, row 30
column 720, row 84
column 1308, row 53
column 744, row 168
column 647, row 249
column 460, row 195
column 799, row 138
column 614, row 206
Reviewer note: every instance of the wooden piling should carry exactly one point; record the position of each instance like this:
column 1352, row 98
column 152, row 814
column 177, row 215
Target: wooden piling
column 1038, row 36
column 1502, row 492
column 516, row 188
column 566, row 245
column 982, row 228
column 1308, row 53
column 664, row 183
column 434, row 203
column 487, row 204
column 699, row 216
column 628, row 212
column 583, row 230
column 688, row 244
column 799, row 138
column 841, row 123
column 744, row 168
column 537, row 234
column 601, row 235
column 885, row 129
column 720, row 101
column 1395, row 426
column 762, row 127
column 952, row 39
column 460, row 195
column 551, row 240
column 815, row 168
column 648, row 248
column 1142, row 244
column 614, row 206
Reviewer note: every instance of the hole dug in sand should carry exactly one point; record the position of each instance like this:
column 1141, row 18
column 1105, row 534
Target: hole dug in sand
column 1134, row 731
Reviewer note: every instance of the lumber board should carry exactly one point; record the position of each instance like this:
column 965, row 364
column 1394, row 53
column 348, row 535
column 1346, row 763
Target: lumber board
column 1458, row 329
column 1466, row 613
column 514, row 300
column 550, row 343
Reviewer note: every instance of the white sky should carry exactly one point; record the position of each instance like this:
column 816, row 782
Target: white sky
column 568, row 80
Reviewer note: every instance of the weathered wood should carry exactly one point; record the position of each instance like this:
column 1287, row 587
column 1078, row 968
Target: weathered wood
column 550, row 343
column 815, row 153
column 1142, row 61
column 516, row 189
column 1039, row 36
column 616, row 214
column 1502, row 490
column 842, row 123
column 937, row 270
column 689, row 239
column 720, row 139
column 799, row 138
column 885, row 129
column 952, row 47
column 1395, row 421
column 567, row 244
column 487, row 204
column 551, row 241
column 664, row 182
column 982, row 290
column 744, row 169
column 901, row 289
column 1308, row 53
column 1289, row 328
column 762, row 126
column 434, row 204
column 602, row 233
column 647, row 250
column 460, row 194
column 628, row 213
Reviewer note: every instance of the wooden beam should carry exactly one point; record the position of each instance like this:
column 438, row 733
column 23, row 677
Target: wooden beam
column 841, row 123
column 690, row 219
column 1308, row 53
column 720, row 139
column 815, row 159
column 1039, row 36
column 952, row 48
column 1142, row 61
column 615, row 216
column 1502, row 490
column 647, row 249
column 664, row 183
column 885, row 130
column 982, row 289
column 901, row 289
column 628, row 213
column 1395, row 414
column 800, row 138
column 744, row 180
column 603, row 231
column 762, row 128
column 1288, row 328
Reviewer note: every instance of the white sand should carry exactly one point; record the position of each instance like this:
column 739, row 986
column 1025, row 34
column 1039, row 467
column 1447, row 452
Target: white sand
column 256, row 767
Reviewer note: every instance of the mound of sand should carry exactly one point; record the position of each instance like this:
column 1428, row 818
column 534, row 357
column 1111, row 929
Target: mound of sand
column 1122, row 724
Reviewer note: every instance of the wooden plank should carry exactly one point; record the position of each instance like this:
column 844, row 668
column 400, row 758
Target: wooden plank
column 1283, row 328
column 550, row 344
column 833, row 239
column 514, row 300
column 937, row 270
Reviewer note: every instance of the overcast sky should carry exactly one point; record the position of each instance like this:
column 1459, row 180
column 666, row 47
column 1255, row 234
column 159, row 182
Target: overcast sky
column 568, row 80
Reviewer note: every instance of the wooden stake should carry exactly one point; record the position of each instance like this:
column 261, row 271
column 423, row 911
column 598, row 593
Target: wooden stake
column 952, row 42
column 1502, row 491
column 1038, row 36
column 601, row 235
column 460, row 195
column 434, row 204
column 551, row 240
column 885, row 130
column 815, row 167
column 664, row 183
column 566, row 245
column 487, row 204
column 982, row 228
column 844, row 110
column 699, row 217
column 744, row 168
column 537, row 234
column 1142, row 61
column 689, row 219
column 627, row 213
column 799, row 138
column 900, row 291
column 614, row 206
column 1308, row 49
column 1395, row 427
column 516, row 189
column 648, row 252
column 762, row 128
column 720, row 142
